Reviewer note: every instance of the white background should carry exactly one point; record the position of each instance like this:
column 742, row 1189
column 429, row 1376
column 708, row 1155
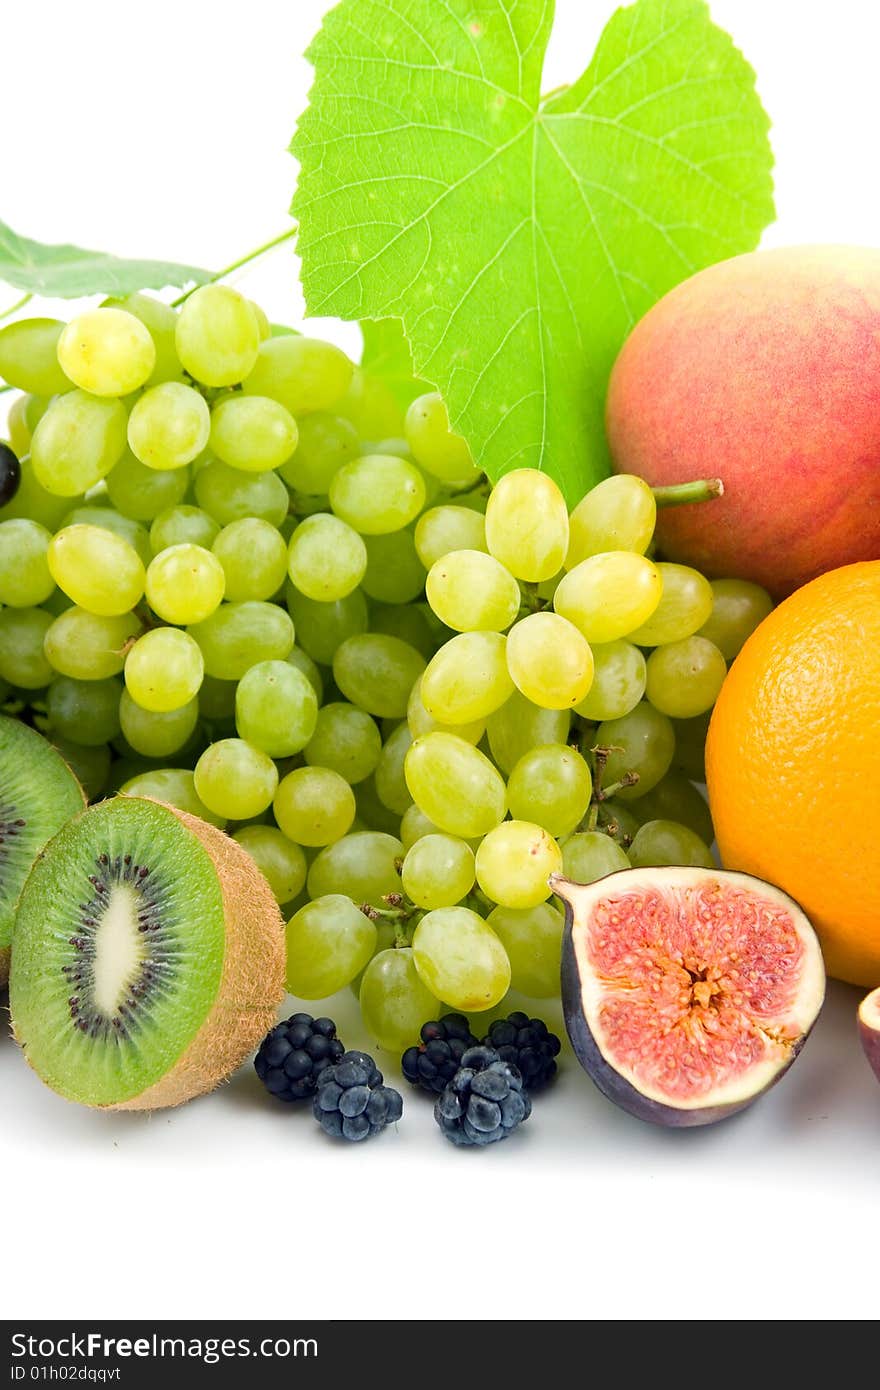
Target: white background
column 162, row 131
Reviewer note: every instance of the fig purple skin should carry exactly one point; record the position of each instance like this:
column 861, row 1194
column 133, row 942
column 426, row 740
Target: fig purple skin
column 869, row 1028
column 584, row 989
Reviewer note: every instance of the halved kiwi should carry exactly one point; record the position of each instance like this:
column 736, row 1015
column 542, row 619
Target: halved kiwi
column 148, row 957
column 38, row 793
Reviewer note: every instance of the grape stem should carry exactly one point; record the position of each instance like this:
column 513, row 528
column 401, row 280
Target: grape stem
column 701, row 490
column 242, row 260
column 13, row 308
column 628, row 779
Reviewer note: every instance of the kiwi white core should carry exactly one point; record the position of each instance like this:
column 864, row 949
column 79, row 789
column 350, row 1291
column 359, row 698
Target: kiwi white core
column 119, row 950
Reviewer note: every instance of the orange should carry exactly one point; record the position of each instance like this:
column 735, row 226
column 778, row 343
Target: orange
column 793, row 762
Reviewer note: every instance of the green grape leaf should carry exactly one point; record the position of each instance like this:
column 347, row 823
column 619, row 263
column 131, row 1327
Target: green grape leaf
column 519, row 238
column 387, row 354
column 69, row 272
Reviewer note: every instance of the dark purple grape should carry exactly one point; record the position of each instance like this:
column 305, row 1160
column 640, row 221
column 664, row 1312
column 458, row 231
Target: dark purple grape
column 10, row 474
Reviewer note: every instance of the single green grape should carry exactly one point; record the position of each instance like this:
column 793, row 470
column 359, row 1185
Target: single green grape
column 446, row 528
column 322, row 628
column 346, row 740
column 217, row 336
column 421, row 722
column 619, row 675
column 254, row 559
column 253, row 433
column 460, row 959
column 185, row 584
column 314, row 806
column 737, row 609
column 238, row 635
column 329, row 942
column 549, row 660
column 280, row 861
column 176, row 786
column 471, row 592
column 142, row 493
column 377, row 493
column 371, row 406
column 676, row 798
column 519, row 726
column 377, row 673
column 455, row 785
column 86, row 712
column 23, row 660
column 168, row 426
column 363, row 865
column 25, row 577
column 18, row 431
column 182, row 525
column 389, row 776
column 228, row 494
column 154, row 734
column 29, row 356
column 468, row 679
column 685, row 678
column 591, row 855
column 326, row 558
column 303, row 662
column 325, row 443
column 433, row 444
column 108, row 519
column 276, row 708
column 88, row 647
column 394, row 999
column 550, row 785
column 617, row 514
column 106, row 352
column 414, row 824
column 235, row 779
column 683, row 609
column 641, row 742
column 532, row 938
column 438, row 871
column 99, row 570
column 163, row 671
column 608, row 595
column 527, row 525
column 514, row 863
column 161, row 321
column 76, row 443
column 304, row 374
column 394, row 572
column 665, row 842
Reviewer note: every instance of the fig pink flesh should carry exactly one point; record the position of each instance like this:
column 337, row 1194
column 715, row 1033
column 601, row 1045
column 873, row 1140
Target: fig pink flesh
column 869, row 1028
column 698, row 986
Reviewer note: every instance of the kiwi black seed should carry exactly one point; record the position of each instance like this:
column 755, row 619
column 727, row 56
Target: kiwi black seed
column 38, row 794
column 148, row 957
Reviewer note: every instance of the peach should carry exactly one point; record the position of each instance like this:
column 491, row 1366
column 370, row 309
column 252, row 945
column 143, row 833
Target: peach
column 764, row 371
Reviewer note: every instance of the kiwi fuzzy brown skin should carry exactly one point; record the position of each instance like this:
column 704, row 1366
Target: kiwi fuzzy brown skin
column 251, row 984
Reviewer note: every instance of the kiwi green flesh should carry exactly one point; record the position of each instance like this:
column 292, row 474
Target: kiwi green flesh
column 118, row 951
column 38, row 794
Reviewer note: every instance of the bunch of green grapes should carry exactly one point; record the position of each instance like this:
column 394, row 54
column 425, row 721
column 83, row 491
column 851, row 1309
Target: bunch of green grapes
column 237, row 575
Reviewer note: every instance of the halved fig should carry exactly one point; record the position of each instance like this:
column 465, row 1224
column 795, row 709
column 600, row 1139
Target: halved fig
column 686, row 992
column 869, row 1028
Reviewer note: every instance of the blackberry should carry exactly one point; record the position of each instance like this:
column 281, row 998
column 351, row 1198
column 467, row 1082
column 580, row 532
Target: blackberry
column 294, row 1052
column 351, row 1101
column 436, row 1059
column 528, row 1045
column 484, row 1101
